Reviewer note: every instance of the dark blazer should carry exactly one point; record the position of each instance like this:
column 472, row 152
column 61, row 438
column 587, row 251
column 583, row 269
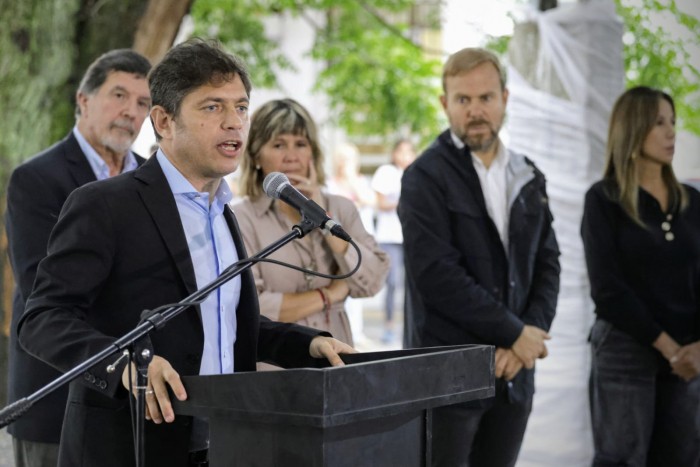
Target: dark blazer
column 36, row 192
column 464, row 288
column 119, row 248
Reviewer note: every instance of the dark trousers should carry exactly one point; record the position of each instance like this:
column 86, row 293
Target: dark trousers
column 642, row 415
column 199, row 459
column 465, row 435
column 395, row 277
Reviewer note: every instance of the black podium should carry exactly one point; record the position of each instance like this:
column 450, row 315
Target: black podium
column 375, row 411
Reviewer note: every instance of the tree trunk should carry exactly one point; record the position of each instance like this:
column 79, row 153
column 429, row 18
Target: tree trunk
column 159, row 27
column 6, row 303
column 46, row 47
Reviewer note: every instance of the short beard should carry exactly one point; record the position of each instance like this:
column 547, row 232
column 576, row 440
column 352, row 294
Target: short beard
column 120, row 144
column 117, row 145
column 480, row 143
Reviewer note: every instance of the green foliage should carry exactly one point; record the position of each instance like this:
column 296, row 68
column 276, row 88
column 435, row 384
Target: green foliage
column 239, row 27
column 498, row 45
column 659, row 56
column 375, row 79
column 37, row 59
column 378, row 82
column 46, row 47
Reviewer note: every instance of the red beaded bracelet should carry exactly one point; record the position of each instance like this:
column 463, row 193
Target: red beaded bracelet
column 324, row 292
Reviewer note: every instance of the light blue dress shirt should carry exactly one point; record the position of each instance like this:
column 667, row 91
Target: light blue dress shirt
column 212, row 250
column 98, row 165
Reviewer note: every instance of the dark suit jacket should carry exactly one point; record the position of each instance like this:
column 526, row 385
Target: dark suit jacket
column 119, row 248
column 36, row 192
column 464, row 288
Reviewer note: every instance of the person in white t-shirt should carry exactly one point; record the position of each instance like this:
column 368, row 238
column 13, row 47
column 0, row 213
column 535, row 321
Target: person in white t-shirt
column 386, row 182
column 347, row 180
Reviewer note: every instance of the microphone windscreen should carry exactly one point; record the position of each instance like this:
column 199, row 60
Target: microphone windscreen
column 273, row 182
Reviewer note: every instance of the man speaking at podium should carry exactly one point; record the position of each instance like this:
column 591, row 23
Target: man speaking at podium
column 149, row 238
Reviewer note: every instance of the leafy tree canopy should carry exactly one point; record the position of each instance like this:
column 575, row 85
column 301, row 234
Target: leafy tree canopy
column 378, row 80
column 659, row 42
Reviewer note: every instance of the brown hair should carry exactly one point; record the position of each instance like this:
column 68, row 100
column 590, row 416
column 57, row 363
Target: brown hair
column 124, row 60
column 633, row 117
column 468, row 59
column 189, row 65
column 274, row 118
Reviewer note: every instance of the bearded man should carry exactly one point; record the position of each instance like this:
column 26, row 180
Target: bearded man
column 481, row 259
column 112, row 102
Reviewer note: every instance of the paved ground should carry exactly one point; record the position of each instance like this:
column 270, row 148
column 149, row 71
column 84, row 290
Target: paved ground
column 6, row 459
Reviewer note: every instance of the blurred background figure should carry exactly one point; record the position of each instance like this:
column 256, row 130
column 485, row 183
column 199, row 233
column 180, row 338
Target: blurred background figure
column 641, row 236
column 386, row 183
column 283, row 138
column 112, row 101
column 348, row 181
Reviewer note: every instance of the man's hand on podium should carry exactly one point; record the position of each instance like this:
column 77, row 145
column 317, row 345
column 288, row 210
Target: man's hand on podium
column 160, row 373
column 328, row 347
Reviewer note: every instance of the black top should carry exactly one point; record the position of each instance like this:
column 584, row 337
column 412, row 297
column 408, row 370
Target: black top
column 36, row 192
column 644, row 280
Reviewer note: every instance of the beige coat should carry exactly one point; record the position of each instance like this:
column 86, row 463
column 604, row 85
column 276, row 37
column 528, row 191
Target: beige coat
column 261, row 225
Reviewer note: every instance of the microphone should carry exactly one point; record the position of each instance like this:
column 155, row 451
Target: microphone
column 276, row 185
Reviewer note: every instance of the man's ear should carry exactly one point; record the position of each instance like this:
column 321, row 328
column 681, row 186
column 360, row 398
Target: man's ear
column 81, row 101
column 443, row 101
column 162, row 122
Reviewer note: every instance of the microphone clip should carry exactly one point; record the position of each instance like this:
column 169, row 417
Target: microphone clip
column 305, row 226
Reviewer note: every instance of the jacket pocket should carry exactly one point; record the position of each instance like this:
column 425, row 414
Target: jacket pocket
column 461, row 206
column 471, row 232
column 599, row 333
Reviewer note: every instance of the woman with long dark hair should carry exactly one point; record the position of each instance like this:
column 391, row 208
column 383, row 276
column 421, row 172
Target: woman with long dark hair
column 641, row 235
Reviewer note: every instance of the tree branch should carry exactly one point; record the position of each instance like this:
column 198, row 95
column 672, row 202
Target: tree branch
column 391, row 28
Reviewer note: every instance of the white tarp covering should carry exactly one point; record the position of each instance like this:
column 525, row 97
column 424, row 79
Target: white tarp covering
column 569, row 73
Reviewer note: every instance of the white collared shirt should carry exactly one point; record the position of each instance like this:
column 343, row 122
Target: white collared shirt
column 494, row 186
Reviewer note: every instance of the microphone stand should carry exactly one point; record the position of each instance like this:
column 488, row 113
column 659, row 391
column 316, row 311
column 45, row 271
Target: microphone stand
column 137, row 343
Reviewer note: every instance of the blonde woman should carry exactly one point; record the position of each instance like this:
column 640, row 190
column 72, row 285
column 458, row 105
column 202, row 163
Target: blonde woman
column 283, row 138
column 641, row 235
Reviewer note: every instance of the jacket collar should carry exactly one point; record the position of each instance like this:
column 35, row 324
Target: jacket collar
column 519, row 171
column 80, row 168
column 160, row 202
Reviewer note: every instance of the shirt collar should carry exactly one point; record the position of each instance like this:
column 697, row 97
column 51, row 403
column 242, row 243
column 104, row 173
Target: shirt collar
column 98, row 165
column 502, row 156
column 262, row 204
column 455, row 139
column 181, row 186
